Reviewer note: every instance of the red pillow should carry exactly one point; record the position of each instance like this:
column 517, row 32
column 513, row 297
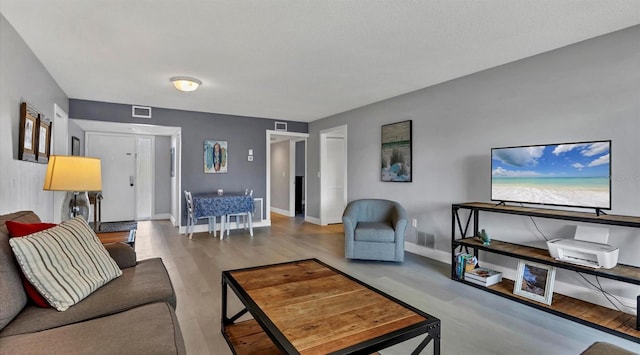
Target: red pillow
column 17, row 229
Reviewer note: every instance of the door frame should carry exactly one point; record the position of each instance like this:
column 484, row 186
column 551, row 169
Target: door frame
column 294, row 136
column 145, row 129
column 152, row 182
column 334, row 131
column 60, row 133
column 292, row 173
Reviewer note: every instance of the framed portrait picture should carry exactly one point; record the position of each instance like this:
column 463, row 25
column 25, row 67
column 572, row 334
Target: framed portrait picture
column 396, row 152
column 215, row 157
column 28, row 129
column 535, row 281
column 75, row 146
column 44, row 139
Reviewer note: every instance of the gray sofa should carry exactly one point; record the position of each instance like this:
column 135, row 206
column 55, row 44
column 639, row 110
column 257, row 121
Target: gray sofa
column 374, row 230
column 132, row 314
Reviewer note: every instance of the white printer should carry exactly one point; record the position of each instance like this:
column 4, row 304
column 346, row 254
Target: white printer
column 588, row 248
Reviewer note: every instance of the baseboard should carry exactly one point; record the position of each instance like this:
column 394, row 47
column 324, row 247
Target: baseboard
column 173, row 221
column 564, row 288
column 161, row 216
column 312, row 220
column 199, row 228
column 430, row 253
column 280, row 211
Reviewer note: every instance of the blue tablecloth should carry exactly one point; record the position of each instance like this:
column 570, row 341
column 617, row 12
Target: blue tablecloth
column 212, row 204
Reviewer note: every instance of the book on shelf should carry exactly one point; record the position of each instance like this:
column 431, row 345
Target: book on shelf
column 483, row 276
column 464, row 263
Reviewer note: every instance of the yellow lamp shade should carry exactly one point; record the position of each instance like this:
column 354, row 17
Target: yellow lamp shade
column 73, row 173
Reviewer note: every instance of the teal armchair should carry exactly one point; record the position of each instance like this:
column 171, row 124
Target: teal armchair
column 374, row 230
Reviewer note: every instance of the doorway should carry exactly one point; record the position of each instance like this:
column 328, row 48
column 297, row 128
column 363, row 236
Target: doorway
column 174, row 148
column 333, row 174
column 281, row 172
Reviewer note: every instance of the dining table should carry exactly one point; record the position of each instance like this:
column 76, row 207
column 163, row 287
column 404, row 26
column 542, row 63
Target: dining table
column 213, row 204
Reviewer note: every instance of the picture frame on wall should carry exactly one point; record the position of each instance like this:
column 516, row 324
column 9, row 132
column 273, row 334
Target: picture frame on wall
column 215, row 157
column 397, row 152
column 535, row 281
column 173, row 162
column 75, row 146
column 44, row 139
column 28, row 143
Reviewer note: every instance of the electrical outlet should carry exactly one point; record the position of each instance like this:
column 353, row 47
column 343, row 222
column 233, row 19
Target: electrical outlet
column 414, row 223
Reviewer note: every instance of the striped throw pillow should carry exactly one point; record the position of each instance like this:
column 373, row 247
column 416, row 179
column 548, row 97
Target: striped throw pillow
column 65, row 263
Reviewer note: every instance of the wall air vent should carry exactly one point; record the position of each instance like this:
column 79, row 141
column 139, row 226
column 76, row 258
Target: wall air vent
column 258, row 213
column 141, row 111
column 281, row 126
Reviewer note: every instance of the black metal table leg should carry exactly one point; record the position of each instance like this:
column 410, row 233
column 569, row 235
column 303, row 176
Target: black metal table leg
column 433, row 334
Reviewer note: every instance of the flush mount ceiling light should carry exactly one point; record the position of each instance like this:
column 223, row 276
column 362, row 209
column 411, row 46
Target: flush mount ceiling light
column 185, row 83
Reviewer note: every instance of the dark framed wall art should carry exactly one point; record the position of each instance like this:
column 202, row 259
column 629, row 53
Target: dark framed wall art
column 27, row 139
column 35, row 135
column 44, row 139
column 396, row 152
column 75, row 146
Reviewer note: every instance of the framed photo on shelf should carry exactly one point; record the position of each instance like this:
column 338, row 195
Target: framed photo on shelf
column 28, row 129
column 535, row 281
column 44, row 139
column 396, row 152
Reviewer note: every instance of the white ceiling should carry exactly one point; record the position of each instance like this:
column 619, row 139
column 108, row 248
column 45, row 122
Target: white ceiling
column 297, row 60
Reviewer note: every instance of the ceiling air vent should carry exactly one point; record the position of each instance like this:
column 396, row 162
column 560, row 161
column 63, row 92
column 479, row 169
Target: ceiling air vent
column 141, row 111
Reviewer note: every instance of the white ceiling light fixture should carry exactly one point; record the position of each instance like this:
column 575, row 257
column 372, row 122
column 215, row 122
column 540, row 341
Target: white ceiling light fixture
column 185, row 83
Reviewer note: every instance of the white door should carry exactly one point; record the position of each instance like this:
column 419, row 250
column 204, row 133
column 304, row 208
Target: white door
column 60, row 139
column 333, row 176
column 117, row 154
column 144, row 177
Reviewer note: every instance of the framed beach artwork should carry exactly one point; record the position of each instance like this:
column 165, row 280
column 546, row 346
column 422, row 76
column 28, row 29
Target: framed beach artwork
column 535, row 281
column 215, row 157
column 396, row 152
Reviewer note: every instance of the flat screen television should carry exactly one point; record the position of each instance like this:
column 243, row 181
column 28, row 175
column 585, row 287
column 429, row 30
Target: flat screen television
column 569, row 174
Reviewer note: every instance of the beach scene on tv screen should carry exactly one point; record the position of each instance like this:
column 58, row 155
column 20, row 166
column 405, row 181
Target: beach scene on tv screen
column 576, row 174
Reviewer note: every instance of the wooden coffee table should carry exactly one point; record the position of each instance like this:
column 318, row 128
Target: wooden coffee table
column 308, row 307
column 128, row 236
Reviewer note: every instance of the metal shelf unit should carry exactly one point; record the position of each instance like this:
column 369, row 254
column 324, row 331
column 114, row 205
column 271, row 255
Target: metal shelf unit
column 602, row 318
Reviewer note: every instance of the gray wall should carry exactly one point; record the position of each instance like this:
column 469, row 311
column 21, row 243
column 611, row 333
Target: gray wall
column 162, row 191
column 280, row 175
column 23, row 78
column 587, row 91
column 241, row 133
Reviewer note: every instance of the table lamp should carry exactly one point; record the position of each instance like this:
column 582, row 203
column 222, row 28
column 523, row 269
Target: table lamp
column 76, row 175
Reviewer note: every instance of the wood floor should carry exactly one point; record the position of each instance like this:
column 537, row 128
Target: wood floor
column 473, row 321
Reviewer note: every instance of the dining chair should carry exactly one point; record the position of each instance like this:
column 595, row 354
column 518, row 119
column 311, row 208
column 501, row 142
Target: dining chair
column 245, row 216
column 191, row 217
